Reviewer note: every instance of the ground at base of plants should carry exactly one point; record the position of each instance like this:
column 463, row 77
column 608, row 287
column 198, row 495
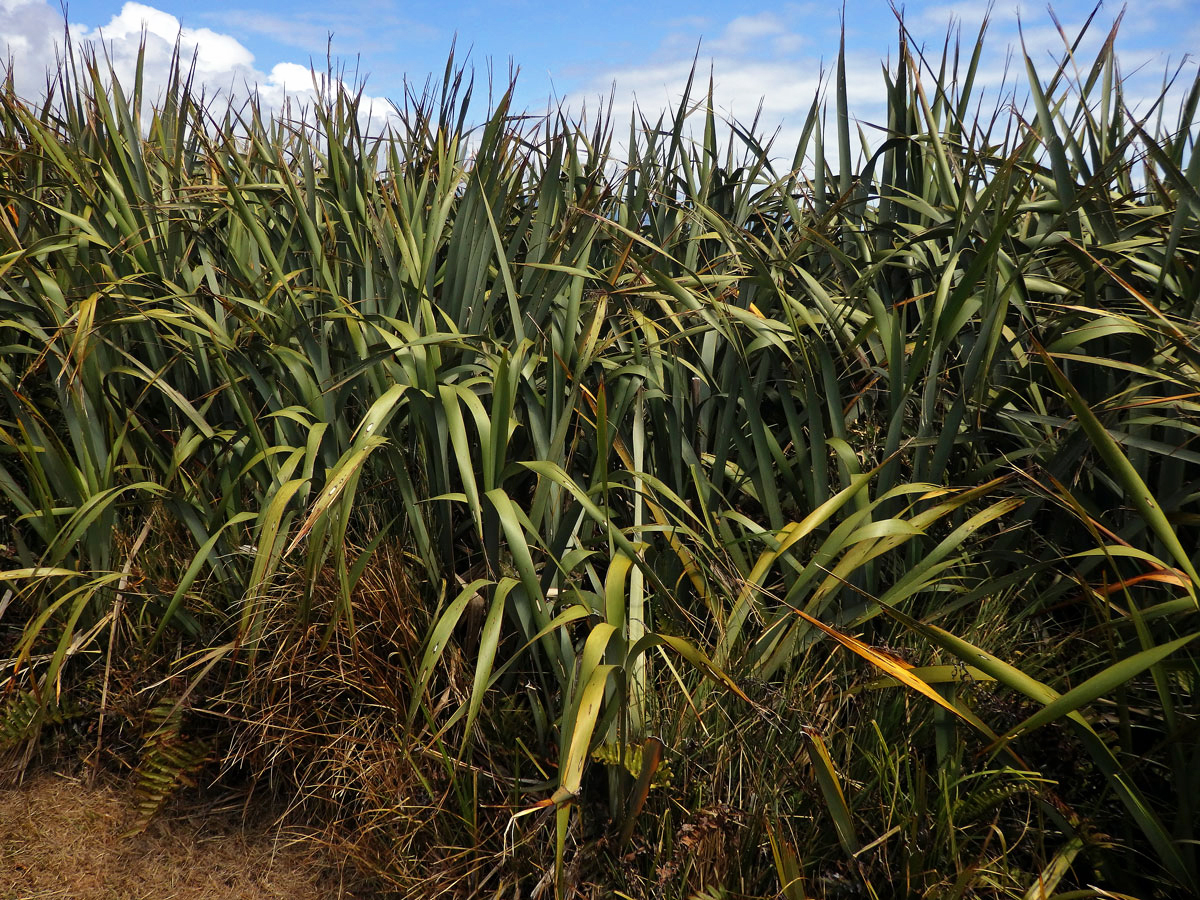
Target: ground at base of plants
column 61, row 837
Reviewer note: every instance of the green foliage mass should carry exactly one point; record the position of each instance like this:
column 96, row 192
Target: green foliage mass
column 863, row 480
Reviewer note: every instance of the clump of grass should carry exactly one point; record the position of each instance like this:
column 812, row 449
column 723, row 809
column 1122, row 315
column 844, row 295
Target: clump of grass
column 547, row 522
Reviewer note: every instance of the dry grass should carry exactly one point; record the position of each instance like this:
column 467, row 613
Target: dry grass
column 61, row 838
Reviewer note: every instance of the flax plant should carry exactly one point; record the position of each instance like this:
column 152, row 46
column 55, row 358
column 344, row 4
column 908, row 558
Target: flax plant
column 723, row 487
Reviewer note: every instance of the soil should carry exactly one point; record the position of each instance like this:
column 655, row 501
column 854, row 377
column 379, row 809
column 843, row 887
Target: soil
column 60, row 837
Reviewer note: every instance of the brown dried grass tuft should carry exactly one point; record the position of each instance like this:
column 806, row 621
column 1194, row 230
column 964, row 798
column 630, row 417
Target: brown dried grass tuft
column 60, row 837
column 321, row 720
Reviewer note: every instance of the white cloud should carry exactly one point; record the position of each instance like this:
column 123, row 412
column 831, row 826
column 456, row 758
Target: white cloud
column 291, row 31
column 777, row 61
column 969, row 12
column 747, row 33
column 215, row 53
column 761, row 65
column 33, row 37
column 32, row 29
column 285, row 75
column 348, row 28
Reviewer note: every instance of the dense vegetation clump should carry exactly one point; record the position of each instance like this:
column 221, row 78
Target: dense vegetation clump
column 541, row 516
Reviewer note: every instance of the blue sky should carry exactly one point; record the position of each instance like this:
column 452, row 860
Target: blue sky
column 577, row 51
